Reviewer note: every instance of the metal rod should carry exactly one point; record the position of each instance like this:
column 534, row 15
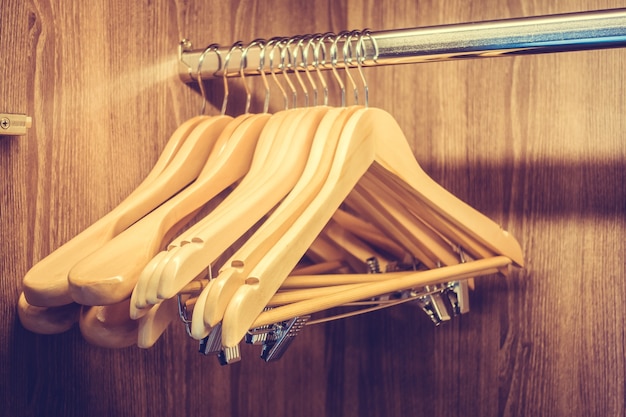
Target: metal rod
column 532, row 35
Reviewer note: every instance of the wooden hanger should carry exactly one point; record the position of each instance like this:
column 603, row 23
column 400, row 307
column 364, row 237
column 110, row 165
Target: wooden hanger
column 109, row 275
column 143, row 294
column 50, row 275
column 371, row 136
column 145, row 291
column 47, row 320
column 293, row 133
column 241, row 263
column 45, row 284
column 108, row 326
column 326, row 298
column 229, row 161
column 234, row 217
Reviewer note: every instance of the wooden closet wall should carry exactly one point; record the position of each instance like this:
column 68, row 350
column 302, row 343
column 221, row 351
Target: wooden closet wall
column 537, row 143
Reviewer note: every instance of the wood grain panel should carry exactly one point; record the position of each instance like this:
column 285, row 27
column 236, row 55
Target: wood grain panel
column 536, row 143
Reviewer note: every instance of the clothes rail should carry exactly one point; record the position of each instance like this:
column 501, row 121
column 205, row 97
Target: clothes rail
column 600, row 29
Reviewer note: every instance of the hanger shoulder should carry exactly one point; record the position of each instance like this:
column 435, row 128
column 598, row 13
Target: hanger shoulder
column 108, row 326
column 241, row 263
column 245, row 206
column 108, row 275
column 45, row 284
column 353, row 156
column 395, row 155
column 47, row 320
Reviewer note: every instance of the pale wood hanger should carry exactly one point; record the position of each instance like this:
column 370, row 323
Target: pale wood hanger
column 145, row 292
column 45, row 284
column 370, row 137
column 183, row 155
column 229, row 221
column 240, row 264
column 108, row 275
column 325, row 298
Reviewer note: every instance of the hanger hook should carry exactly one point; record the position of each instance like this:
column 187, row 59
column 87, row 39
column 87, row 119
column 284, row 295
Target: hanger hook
column 283, row 45
column 236, row 45
column 360, row 58
column 333, row 61
column 273, row 43
column 305, row 60
column 294, row 55
column 242, row 68
column 262, row 45
column 320, row 44
column 215, row 48
column 347, row 61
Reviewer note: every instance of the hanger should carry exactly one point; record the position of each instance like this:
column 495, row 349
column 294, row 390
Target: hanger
column 47, row 320
column 106, row 275
column 335, row 296
column 100, row 280
column 259, row 170
column 45, row 284
column 228, row 166
column 152, row 267
column 234, row 217
column 237, row 268
column 316, row 116
column 303, row 191
column 370, row 137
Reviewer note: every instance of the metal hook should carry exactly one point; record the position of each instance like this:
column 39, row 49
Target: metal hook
column 360, row 58
column 274, row 42
column 261, row 69
column 236, row 45
column 294, row 55
column 319, row 43
column 305, row 60
column 213, row 47
column 242, row 67
column 284, row 67
column 347, row 60
column 333, row 61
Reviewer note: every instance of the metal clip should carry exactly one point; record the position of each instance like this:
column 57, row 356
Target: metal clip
column 458, row 291
column 281, row 337
column 458, row 295
column 212, row 344
column 373, row 265
column 433, row 304
column 259, row 335
column 229, row 355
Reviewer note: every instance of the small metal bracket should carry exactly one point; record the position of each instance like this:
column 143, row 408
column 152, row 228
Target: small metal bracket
column 14, row 124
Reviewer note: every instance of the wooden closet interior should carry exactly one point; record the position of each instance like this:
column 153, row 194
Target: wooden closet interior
column 531, row 140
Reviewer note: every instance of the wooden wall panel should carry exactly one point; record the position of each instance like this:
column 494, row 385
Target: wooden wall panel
column 536, row 143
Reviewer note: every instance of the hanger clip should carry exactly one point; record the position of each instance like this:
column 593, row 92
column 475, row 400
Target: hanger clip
column 458, row 295
column 433, row 304
column 212, row 344
column 280, row 337
column 229, row 355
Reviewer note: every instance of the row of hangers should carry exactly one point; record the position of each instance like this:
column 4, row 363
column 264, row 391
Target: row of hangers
column 250, row 227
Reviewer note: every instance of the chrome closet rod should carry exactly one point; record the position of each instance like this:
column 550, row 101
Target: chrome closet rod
column 600, row 29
